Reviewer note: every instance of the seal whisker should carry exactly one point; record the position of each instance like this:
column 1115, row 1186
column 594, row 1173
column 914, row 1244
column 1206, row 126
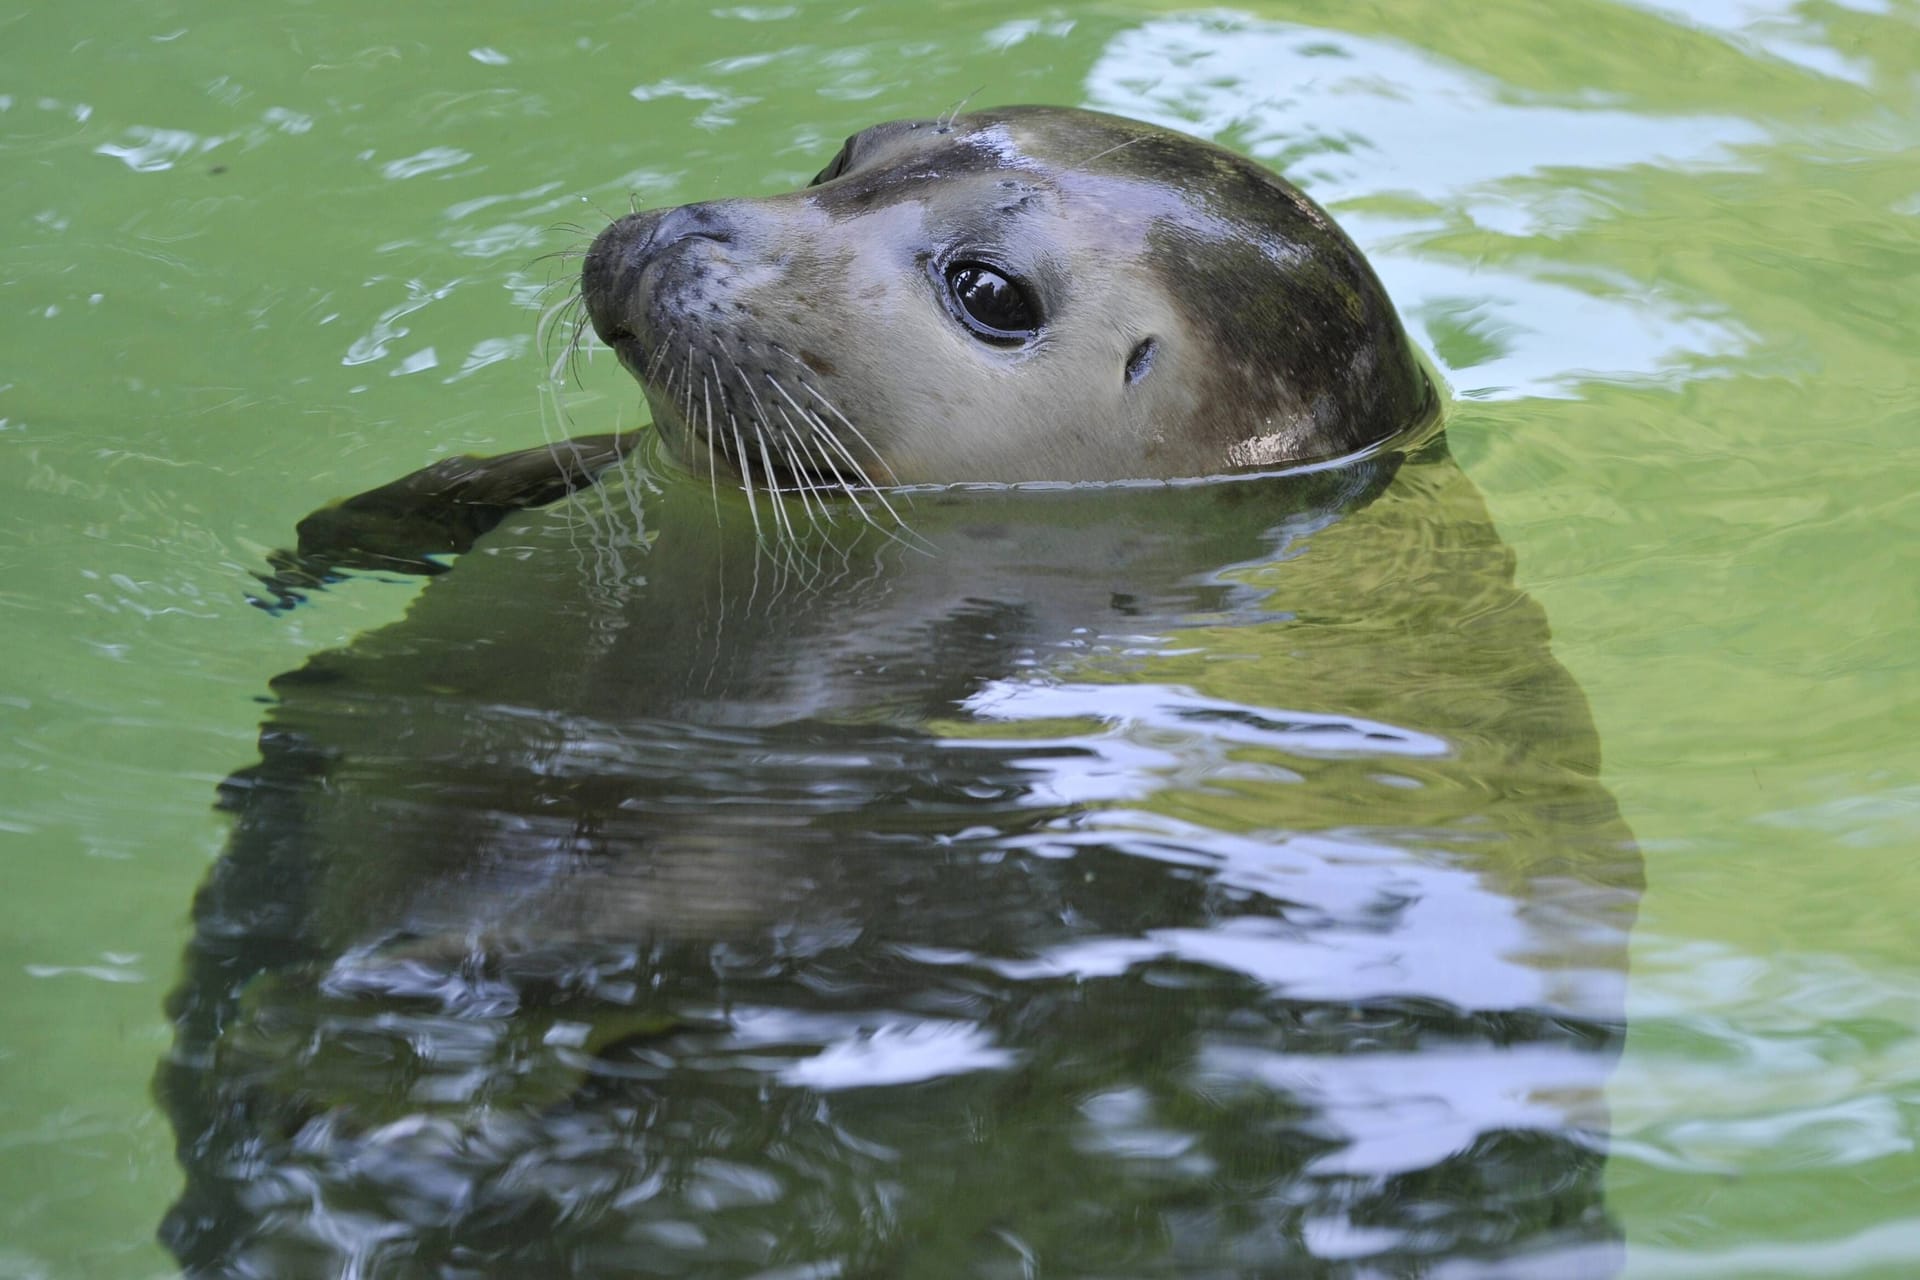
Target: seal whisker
column 944, row 124
column 776, row 506
column 781, row 523
column 759, row 417
column 861, row 507
column 686, row 414
column 666, row 379
column 811, row 499
column 821, row 426
column 807, row 463
column 746, row 477
column 1118, row 146
column 574, row 344
column 571, row 283
column 862, row 438
column 825, row 432
column 551, row 317
column 821, row 432
column 713, row 467
column 638, row 477
column 653, row 360
column 569, row 317
column 834, row 409
column 570, row 354
column 796, row 439
column 782, row 444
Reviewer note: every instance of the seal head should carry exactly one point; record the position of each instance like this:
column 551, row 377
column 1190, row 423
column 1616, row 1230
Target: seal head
column 1029, row 293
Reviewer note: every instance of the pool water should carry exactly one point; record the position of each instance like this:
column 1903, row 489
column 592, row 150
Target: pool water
column 1277, row 918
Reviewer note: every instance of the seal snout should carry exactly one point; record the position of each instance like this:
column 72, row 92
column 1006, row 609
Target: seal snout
column 611, row 278
column 612, row 269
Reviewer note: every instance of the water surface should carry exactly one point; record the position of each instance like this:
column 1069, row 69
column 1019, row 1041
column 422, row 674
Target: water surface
column 1663, row 255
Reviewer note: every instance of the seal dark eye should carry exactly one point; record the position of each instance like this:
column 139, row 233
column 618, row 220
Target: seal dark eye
column 994, row 307
column 1140, row 363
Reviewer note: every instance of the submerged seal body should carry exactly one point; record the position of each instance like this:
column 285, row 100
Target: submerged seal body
column 1184, row 880
column 1029, row 293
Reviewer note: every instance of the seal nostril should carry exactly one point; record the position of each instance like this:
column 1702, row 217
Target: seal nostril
column 1140, row 363
column 613, row 250
column 707, row 221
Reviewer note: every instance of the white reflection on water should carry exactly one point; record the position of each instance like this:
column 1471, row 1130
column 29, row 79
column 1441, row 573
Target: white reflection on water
column 1369, row 913
column 1828, row 1074
column 1348, row 118
column 1356, row 117
column 1774, row 27
column 1391, row 1124
column 1165, row 735
column 1885, row 1249
column 149, row 150
column 1181, row 711
column 863, row 1054
column 1362, row 922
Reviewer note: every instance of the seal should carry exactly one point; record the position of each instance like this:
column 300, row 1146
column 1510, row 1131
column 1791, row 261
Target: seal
column 1027, row 293
column 641, row 903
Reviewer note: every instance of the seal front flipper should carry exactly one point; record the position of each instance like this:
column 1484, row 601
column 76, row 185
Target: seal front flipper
column 441, row 510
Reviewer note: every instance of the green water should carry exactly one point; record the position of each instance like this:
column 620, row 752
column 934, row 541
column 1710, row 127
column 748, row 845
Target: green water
column 258, row 257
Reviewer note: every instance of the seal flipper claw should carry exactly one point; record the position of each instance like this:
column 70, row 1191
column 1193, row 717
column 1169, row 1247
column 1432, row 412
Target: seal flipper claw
column 441, row 510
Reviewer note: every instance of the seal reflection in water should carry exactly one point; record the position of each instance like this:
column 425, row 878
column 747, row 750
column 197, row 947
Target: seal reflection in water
column 1182, row 880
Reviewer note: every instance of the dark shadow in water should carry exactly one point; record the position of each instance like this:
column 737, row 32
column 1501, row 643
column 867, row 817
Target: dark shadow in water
column 1202, row 882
